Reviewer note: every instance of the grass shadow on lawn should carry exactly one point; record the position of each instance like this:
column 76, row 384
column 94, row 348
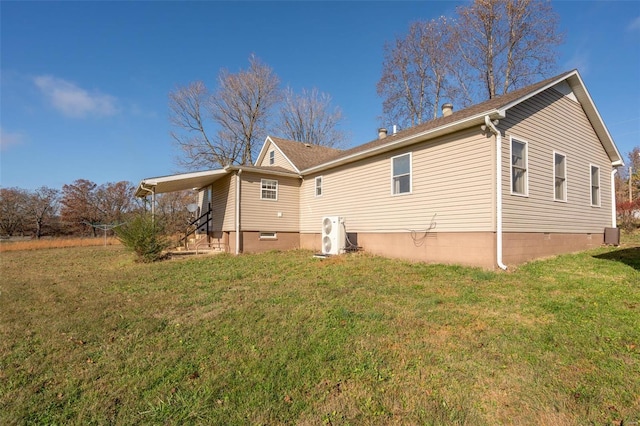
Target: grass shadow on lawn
column 628, row 256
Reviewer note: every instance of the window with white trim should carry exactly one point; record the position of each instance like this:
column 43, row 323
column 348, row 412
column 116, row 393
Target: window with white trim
column 268, row 189
column 319, row 186
column 272, row 158
column 595, row 186
column 268, row 236
column 401, row 174
column 519, row 173
column 560, row 176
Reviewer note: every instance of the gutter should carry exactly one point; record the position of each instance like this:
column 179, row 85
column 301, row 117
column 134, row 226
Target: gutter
column 496, row 132
column 402, row 142
column 238, row 182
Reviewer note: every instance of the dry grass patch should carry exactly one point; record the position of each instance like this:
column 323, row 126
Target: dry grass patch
column 50, row 243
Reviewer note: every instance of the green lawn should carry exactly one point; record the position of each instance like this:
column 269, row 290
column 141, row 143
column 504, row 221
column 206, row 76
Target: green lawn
column 89, row 336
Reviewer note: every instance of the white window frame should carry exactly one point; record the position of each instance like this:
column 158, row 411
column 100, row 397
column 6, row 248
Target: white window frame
column 555, row 175
column 591, row 186
column 318, row 186
column 268, row 235
column 272, row 157
column 410, row 174
column 526, row 166
column 263, row 183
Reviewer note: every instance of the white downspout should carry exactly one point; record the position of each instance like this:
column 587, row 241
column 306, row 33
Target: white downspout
column 614, row 216
column 238, row 180
column 496, row 132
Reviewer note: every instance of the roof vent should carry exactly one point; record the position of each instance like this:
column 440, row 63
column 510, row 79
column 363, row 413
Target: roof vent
column 308, row 145
column 382, row 133
column 447, row 109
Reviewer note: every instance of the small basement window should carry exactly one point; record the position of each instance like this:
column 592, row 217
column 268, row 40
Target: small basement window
column 268, row 236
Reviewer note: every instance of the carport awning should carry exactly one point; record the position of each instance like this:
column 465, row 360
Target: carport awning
column 195, row 180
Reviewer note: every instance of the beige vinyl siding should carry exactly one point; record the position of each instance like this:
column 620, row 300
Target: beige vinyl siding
column 223, row 203
column 452, row 178
column 552, row 122
column 262, row 215
column 279, row 158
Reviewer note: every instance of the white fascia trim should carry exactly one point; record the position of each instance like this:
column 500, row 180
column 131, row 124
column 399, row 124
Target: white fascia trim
column 263, row 152
column 415, row 138
column 170, row 178
column 261, row 170
column 542, row 89
column 591, row 110
column 587, row 104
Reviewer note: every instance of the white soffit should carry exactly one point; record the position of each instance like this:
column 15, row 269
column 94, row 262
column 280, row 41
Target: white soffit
column 181, row 182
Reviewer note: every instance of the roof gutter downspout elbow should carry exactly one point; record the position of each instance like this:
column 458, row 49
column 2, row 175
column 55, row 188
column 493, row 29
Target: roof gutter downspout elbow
column 496, row 132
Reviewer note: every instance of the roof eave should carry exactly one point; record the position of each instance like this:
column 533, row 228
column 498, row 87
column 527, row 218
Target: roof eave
column 179, row 182
column 262, row 170
column 582, row 94
column 455, row 126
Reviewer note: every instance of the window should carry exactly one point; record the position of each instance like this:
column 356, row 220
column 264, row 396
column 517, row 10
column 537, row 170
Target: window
column 268, row 236
column 519, row 167
column 560, row 176
column 401, row 174
column 272, row 158
column 268, row 189
column 319, row 186
column 595, row 186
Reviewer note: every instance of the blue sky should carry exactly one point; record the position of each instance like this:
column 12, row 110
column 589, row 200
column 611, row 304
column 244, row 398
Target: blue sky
column 84, row 85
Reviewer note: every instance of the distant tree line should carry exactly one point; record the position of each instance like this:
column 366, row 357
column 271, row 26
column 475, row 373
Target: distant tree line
column 627, row 182
column 80, row 209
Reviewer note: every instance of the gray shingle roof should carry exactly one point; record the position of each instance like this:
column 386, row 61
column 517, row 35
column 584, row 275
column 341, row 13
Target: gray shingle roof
column 304, row 155
column 486, row 106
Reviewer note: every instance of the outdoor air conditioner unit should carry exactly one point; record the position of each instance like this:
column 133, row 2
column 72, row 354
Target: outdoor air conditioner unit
column 333, row 235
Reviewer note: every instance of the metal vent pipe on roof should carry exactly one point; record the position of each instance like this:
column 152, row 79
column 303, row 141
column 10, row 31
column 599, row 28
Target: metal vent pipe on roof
column 447, row 109
column 382, row 133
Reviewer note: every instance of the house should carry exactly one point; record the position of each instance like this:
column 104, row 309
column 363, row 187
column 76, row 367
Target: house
column 521, row 176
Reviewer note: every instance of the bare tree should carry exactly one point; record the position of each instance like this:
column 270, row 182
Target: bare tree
column 415, row 72
column 310, row 118
column 238, row 112
column 79, row 206
column 490, row 48
column 171, row 209
column 42, row 207
column 13, row 207
column 114, row 200
column 507, row 43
